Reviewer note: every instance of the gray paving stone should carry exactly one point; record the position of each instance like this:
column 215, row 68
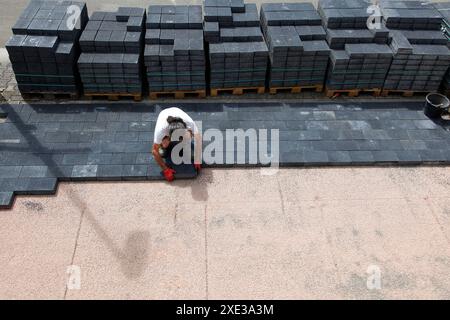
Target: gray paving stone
column 135, row 172
column 383, row 156
column 109, row 172
column 41, row 186
column 10, row 171
column 361, row 157
column 6, row 199
column 316, row 158
column 339, row 157
column 432, row 155
column 84, row 172
column 75, row 159
column 33, row 171
column 409, row 157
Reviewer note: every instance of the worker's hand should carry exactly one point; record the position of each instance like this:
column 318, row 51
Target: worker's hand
column 169, row 174
column 198, row 167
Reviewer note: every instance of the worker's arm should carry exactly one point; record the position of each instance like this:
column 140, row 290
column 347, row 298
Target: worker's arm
column 198, row 148
column 158, row 157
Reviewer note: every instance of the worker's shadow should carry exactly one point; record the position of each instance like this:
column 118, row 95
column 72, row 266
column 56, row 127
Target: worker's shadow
column 199, row 186
column 134, row 256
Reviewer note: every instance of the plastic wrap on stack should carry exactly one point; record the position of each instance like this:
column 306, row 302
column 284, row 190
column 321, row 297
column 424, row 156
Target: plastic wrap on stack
column 44, row 47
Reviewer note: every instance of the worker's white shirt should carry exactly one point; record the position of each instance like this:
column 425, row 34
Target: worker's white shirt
column 162, row 126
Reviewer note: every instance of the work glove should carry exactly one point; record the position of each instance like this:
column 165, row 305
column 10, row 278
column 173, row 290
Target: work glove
column 198, row 167
column 169, row 174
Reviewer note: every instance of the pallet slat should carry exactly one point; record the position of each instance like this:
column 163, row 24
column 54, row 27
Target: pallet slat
column 403, row 93
column 296, row 89
column 352, row 92
column 114, row 96
column 178, row 94
column 237, row 91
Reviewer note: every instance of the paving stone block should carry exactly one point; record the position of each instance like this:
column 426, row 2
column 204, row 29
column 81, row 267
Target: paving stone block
column 6, row 200
column 361, row 157
column 10, row 171
column 41, row 186
column 110, row 172
column 33, row 171
column 135, row 172
column 339, row 157
column 84, row 172
column 384, row 156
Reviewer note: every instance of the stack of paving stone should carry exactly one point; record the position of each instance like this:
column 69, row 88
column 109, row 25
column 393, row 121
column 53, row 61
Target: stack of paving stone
column 421, row 57
column 238, row 54
column 174, row 49
column 444, row 10
column 44, row 47
column 360, row 57
column 410, row 15
column 111, row 58
column 297, row 48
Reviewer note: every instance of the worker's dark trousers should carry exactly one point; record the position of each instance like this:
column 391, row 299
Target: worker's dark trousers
column 168, row 151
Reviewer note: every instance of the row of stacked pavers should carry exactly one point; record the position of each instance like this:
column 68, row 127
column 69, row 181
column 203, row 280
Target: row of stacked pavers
column 111, row 58
column 174, row 50
column 44, row 47
column 360, row 57
column 238, row 54
column 297, row 48
column 421, row 57
column 444, row 10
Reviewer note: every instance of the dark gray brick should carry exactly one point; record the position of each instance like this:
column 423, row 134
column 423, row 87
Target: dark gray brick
column 75, row 158
column 339, row 157
column 6, row 200
column 84, row 172
column 361, row 157
column 33, row 171
column 135, row 172
column 41, row 186
column 385, row 156
column 109, row 172
column 316, row 158
column 10, row 171
column 432, row 155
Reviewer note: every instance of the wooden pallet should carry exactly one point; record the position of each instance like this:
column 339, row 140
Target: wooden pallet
column 180, row 94
column 352, row 92
column 298, row 89
column 238, row 91
column 114, row 96
column 49, row 95
column 403, row 93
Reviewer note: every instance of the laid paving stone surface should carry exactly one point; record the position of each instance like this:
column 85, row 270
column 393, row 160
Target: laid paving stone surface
column 46, row 143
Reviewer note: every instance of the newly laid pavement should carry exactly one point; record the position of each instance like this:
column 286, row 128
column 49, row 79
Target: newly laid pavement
column 43, row 144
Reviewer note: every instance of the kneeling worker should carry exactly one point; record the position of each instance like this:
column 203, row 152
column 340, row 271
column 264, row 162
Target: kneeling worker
column 169, row 121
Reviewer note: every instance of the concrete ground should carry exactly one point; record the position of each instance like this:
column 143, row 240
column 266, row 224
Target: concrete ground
column 235, row 234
